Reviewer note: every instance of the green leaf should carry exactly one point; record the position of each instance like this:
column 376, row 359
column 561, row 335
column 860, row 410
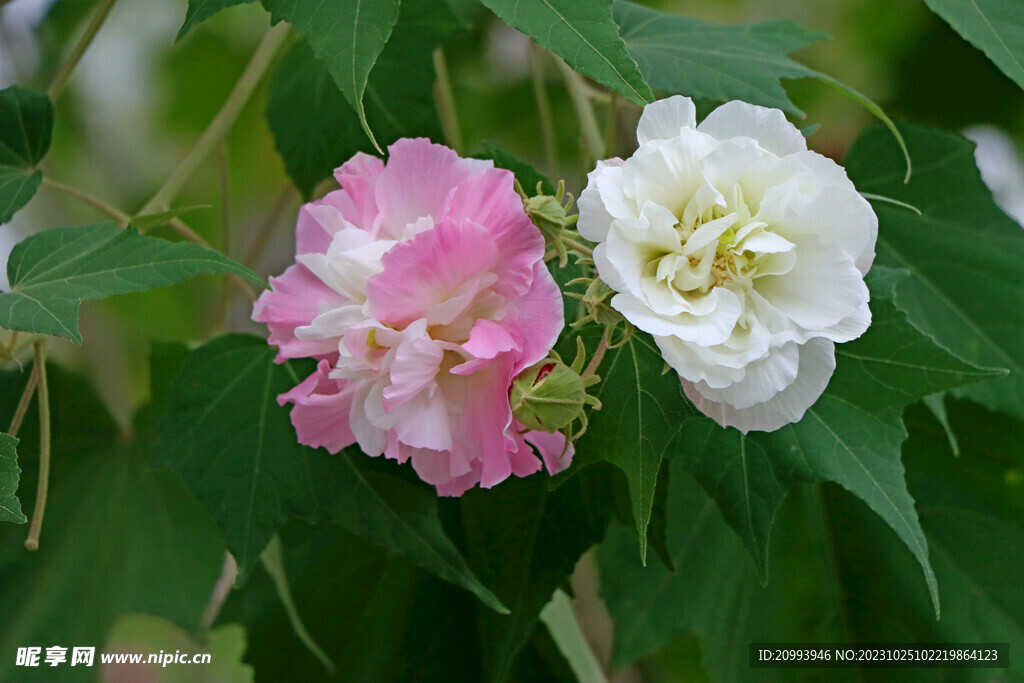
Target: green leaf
column 841, row 573
column 851, row 436
column 52, row 272
column 348, row 35
column 524, row 540
column 201, row 10
column 996, row 27
column 966, row 287
column 10, row 506
column 642, row 412
column 118, row 537
column 525, row 173
column 583, row 33
column 714, row 591
column 705, row 60
column 26, row 123
column 236, row 449
column 316, row 131
column 378, row 617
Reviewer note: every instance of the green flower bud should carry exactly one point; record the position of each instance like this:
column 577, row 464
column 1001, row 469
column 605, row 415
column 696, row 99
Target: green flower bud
column 547, row 396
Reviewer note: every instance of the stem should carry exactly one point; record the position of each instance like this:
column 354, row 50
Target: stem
column 573, row 244
column 266, row 230
column 32, row 542
column 611, row 124
column 540, row 93
column 446, row 103
column 61, row 81
column 595, row 360
column 112, row 211
column 223, row 121
column 26, row 398
column 228, row 574
column 15, row 346
column 589, row 129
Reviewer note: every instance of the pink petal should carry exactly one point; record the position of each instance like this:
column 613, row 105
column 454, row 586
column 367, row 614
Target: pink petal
column 294, row 300
column 426, row 271
column 417, row 182
column 321, row 411
column 551, row 447
column 358, row 177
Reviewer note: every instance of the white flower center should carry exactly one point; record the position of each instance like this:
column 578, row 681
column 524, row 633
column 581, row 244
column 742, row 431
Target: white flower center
column 720, row 244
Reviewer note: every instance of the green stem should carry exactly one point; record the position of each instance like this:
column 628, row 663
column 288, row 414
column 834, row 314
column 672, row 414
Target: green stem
column 23, row 402
column 576, row 246
column 589, row 128
column 103, row 207
column 595, row 360
column 32, row 542
column 611, row 124
column 273, row 562
column 446, row 103
column 63, row 76
column 540, row 93
column 223, row 121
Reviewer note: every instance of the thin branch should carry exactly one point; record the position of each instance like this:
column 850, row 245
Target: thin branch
column 24, row 401
column 595, row 360
column 446, row 110
column 60, row 82
column 540, row 94
column 581, row 101
column 266, row 230
column 32, row 542
column 221, row 124
column 103, row 207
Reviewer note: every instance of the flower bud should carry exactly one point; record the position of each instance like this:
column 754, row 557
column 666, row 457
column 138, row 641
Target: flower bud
column 549, row 213
column 547, row 396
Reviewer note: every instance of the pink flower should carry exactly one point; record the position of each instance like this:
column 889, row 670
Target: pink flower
column 421, row 290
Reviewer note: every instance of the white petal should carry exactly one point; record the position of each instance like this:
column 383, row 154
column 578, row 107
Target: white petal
column 817, row 363
column 664, row 119
column 668, row 173
column 768, row 127
column 595, row 219
column 823, row 287
column 761, row 379
column 709, row 329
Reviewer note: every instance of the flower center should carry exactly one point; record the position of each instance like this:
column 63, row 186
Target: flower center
column 720, row 243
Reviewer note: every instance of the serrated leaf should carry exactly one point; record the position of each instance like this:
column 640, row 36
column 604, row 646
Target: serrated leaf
column 315, row 130
column 10, row 506
column 996, row 27
column 525, row 173
column 379, row 618
column 966, row 284
column 583, row 33
column 642, row 413
column 236, row 449
column 201, row 10
column 117, row 538
column 841, row 574
column 714, row 591
column 524, row 540
column 26, row 123
column 705, row 60
column 851, row 436
column 348, row 35
column 53, row 271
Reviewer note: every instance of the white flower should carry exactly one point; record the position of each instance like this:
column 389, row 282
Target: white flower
column 739, row 250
